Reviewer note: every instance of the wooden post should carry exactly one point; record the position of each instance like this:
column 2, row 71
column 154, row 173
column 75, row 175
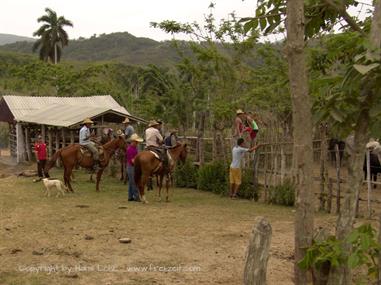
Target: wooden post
column 329, row 201
column 71, row 136
column 323, row 167
column 57, row 146
column 50, row 143
column 63, row 137
column 27, row 144
column 338, row 162
column 257, row 253
column 369, row 182
column 275, row 177
column 43, row 133
column 265, row 174
column 282, row 164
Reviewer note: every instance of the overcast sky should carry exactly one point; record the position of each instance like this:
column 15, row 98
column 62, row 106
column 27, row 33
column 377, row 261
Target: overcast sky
column 19, row 17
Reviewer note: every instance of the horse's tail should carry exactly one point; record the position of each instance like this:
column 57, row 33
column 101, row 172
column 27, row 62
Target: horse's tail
column 138, row 170
column 51, row 162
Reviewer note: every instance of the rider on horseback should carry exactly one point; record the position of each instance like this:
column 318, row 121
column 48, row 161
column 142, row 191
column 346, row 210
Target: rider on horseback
column 84, row 140
column 154, row 140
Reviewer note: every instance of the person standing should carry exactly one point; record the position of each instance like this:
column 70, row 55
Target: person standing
column 235, row 173
column 40, row 151
column 129, row 129
column 84, row 140
column 131, row 152
column 171, row 140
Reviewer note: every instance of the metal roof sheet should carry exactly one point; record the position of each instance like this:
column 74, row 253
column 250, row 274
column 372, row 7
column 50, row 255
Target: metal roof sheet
column 23, row 105
column 63, row 115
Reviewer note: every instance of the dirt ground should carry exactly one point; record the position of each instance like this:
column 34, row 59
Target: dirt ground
column 197, row 238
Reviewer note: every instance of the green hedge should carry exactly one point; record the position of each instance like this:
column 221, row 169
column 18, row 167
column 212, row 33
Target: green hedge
column 186, row 175
column 213, row 177
column 283, row 194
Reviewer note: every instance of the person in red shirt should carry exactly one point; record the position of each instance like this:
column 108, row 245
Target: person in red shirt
column 40, row 151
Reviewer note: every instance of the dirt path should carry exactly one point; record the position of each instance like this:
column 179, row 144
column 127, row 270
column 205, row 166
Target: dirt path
column 198, row 238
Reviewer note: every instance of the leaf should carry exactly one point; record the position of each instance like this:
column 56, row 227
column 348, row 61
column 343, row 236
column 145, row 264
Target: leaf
column 337, row 115
column 353, row 260
column 262, row 23
column 364, row 69
column 250, row 25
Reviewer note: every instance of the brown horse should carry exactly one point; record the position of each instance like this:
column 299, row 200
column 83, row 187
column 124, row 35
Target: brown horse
column 72, row 156
column 146, row 164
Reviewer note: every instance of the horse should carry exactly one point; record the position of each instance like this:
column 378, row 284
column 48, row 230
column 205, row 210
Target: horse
column 147, row 164
column 72, row 156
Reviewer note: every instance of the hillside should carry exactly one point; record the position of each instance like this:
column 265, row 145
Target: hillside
column 119, row 47
column 9, row 39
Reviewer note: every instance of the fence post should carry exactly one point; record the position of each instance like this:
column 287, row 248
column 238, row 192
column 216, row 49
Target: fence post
column 369, row 181
column 329, row 201
column 282, row 164
column 338, row 162
column 257, row 253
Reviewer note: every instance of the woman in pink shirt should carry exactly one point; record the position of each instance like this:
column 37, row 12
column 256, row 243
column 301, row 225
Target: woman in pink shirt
column 131, row 153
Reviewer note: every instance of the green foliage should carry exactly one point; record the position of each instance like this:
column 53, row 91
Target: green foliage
column 283, row 194
column 364, row 253
column 247, row 189
column 186, row 175
column 213, row 177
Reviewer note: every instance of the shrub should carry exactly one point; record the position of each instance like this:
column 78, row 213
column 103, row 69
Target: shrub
column 247, row 189
column 213, row 177
column 283, row 194
column 186, row 175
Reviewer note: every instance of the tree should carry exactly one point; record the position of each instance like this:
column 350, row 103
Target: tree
column 52, row 35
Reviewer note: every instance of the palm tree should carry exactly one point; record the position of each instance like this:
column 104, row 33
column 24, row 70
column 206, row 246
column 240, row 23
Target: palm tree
column 52, row 36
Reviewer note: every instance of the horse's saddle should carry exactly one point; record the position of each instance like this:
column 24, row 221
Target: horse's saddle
column 86, row 152
column 164, row 157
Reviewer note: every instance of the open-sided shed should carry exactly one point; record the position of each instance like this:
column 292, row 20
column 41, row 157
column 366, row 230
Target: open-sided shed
column 57, row 119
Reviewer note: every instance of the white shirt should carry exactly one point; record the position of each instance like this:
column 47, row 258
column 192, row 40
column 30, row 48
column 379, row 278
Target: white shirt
column 238, row 153
column 153, row 137
column 84, row 136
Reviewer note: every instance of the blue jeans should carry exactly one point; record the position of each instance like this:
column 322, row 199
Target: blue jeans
column 132, row 189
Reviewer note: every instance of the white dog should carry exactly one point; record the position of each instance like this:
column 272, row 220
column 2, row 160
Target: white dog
column 49, row 184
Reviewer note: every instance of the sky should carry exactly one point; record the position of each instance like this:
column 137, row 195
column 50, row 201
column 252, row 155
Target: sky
column 19, row 17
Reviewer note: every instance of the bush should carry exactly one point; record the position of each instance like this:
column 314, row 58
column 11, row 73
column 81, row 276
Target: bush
column 213, row 177
column 283, row 194
column 186, row 175
column 247, row 190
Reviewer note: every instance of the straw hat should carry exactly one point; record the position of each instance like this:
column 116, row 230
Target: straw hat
column 239, row 111
column 153, row 123
column 126, row 120
column 87, row 121
column 119, row 133
column 135, row 138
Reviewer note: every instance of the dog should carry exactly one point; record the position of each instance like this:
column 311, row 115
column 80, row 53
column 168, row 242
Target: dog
column 51, row 183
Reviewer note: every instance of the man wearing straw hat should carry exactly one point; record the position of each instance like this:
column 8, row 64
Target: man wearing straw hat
column 129, row 129
column 84, row 140
column 238, row 124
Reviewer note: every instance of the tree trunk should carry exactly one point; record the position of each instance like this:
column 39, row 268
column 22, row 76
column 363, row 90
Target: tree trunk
column 302, row 132
column 342, row 275
column 257, row 253
column 200, row 138
column 55, row 53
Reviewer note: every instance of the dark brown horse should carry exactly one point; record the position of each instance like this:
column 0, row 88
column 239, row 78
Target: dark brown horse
column 146, row 164
column 72, row 156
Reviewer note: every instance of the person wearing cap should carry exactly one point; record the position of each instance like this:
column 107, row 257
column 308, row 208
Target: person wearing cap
column 129, row 129
column 171, row 140
column 131, row 153
column 84, row 140
column 235, row 174
column 238, row 123
column 40, row 151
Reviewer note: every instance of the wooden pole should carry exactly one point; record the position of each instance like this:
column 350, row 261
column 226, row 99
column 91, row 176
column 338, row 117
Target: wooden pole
column 71, row 136
column 282, row 164
column 57, row 145
column 323, row 166
column 50, row 143
column 369, row 181
column 43, row 133
column 27, row 144
column 265, row 174
column 63, row 137
column 337, row 178
column 257, row 253
column 329, row 200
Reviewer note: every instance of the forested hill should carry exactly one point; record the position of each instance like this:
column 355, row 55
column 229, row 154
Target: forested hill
column 9, row 39
column 119, row 47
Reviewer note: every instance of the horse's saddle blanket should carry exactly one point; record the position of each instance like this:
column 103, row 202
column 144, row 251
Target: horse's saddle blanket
column 86, row 152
